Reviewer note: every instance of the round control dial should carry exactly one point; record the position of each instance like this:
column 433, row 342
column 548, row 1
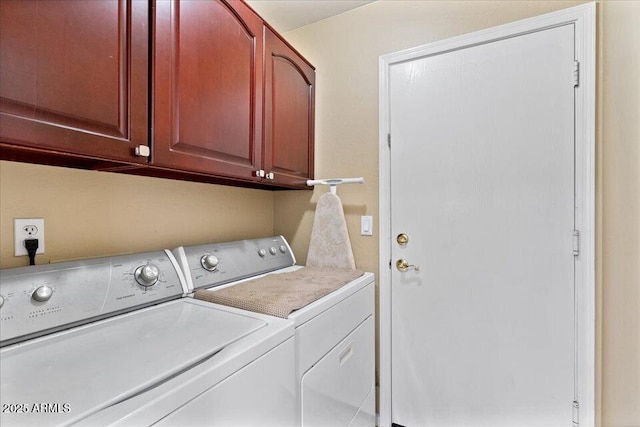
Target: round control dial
column 283, row 248
column 42, row 294
column 209, row 262
column 1, row 301
column 147, row 275
column 273, row 250
column 262, row 253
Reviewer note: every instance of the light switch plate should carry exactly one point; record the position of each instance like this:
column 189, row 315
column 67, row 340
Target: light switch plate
column 366, row 226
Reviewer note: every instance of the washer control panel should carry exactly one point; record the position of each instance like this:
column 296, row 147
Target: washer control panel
column 216, row 264
column 45, row 298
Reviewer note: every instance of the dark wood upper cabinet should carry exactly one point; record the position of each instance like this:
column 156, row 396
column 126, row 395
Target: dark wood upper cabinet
column 207, row 89
column 74, row 77
column 200, row 90
column 289, row 114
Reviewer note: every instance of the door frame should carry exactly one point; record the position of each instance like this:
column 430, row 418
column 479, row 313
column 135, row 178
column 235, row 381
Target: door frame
column 583, row 18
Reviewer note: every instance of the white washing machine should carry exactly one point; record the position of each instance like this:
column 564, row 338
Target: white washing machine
column 112, row 341
column 334, row 335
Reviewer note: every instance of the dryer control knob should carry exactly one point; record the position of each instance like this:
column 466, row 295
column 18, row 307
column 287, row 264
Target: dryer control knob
column 273, row 250
column 209, row 262
column 262, row 253
column 42, row 294
column 147, row 275
column 1, row 301
column 283, row 249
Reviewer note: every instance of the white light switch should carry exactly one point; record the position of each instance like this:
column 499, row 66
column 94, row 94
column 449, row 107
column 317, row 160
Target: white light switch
column 366, row 226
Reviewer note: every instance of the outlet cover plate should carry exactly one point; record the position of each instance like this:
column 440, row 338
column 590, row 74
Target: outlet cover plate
column 27, row 228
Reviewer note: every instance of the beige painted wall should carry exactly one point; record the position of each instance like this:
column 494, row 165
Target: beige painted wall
column 90, row 214
column 345, row 49
column 620, row 198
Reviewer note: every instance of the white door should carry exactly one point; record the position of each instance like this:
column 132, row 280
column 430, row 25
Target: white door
column 482, row 183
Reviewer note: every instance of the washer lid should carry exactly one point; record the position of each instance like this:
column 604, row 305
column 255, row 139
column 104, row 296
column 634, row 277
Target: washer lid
column 89, row 368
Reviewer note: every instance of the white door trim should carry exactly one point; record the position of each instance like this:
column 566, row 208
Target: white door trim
column 583, row 17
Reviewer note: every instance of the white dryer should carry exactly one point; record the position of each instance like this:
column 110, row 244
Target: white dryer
column 111, row 341
column 334, row 335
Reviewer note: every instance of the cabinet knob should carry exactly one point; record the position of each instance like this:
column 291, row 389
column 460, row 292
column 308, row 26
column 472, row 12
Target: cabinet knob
column 143, row 151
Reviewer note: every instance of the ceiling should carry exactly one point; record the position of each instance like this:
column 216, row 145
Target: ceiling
column 287, row 15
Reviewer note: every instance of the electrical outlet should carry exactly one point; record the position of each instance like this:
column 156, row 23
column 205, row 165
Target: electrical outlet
column 27, row 228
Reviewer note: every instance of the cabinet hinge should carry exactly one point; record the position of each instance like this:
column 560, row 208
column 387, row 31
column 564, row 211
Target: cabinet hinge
column 576, row 73
column 576, row 243
column 575, row 416
column 389, row 140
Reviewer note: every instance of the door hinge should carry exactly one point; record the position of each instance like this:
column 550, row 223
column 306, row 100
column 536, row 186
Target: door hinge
column 576, row 73
column 389, row 140
column 576, row 243
column 575, row 416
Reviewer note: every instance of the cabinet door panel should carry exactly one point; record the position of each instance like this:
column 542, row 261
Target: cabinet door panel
column 289, row 114
column 208, row 90
column 75, row 76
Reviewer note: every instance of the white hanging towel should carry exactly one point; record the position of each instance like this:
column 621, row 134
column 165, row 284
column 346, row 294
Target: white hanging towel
column 330, row 245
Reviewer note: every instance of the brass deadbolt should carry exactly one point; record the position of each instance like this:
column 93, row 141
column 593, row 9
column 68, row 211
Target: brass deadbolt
column 402, row 239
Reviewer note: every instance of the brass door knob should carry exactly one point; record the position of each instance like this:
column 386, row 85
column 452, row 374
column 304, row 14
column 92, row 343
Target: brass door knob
column 403, row 265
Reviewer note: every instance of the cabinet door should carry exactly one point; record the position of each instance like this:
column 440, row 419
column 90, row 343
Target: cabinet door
column 75, row 77
column 208, row 88
column 289, row 114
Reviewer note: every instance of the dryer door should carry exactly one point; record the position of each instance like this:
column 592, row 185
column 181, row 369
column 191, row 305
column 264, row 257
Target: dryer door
column 336, row 388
